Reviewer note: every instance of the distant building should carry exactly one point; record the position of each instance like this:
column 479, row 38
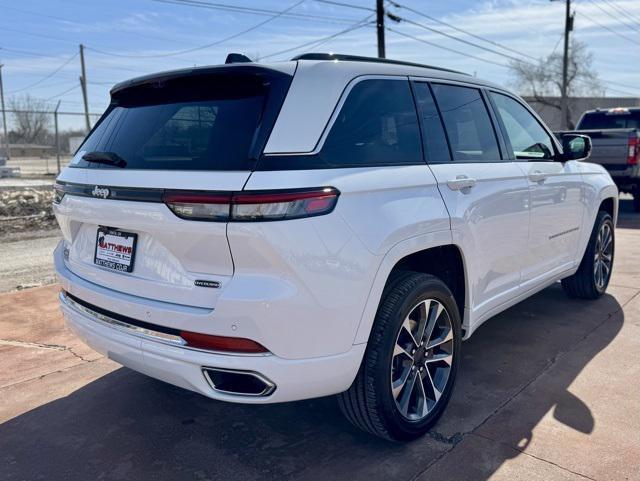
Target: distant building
column 577, row 105
column 31, row 150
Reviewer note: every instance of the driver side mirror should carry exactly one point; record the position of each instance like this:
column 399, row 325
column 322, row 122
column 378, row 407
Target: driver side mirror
column 575, row 147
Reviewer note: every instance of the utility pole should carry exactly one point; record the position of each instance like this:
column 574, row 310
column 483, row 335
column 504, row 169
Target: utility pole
column 83, row 85
column 4, row 117
column 55, row 120
column 564, row 101
column 380, row 28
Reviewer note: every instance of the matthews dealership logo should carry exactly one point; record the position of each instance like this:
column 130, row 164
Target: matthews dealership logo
column 100, row 192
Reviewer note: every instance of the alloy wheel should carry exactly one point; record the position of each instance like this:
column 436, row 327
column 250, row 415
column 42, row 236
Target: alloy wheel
column 422, row 359
column 603, row 257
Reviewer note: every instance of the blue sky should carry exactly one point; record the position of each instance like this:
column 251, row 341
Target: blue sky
column 133, row 37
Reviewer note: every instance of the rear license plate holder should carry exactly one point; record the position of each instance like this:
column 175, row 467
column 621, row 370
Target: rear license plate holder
column 115, row 249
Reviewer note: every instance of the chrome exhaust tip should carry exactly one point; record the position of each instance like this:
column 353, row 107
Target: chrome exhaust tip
column 238, row 383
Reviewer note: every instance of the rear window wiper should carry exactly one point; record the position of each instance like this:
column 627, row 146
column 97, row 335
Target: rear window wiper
column 109, row 158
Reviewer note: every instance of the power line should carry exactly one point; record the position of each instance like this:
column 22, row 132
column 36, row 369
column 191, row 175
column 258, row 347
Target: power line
column 347, row 5
column 465, row 54
column 46, row 77
column 557, row 43
column 621, row 84
column 615, row 17
column 67, row 20
column 50, row 37
column 62, row 93
column 252, row 10
column 68, row 78
column 471, row 43
column 418, row 39
column 362, row 23
column 458, row 39
column 49, row 85
column 20, row 51
column 609, row 29
column 622, row 11
column 209, row 45
column 39, row 35
column 458, row 29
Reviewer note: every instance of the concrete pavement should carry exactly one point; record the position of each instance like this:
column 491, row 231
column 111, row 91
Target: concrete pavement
column 548, row 390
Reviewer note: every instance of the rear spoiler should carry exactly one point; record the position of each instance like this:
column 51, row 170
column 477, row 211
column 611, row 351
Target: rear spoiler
column 282, row 70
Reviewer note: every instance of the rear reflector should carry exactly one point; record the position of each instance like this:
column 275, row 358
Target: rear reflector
column 634, row 151
column 252, row 206
column 221, row 343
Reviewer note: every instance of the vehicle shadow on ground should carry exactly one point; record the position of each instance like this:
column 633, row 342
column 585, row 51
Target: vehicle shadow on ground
column 127, row 426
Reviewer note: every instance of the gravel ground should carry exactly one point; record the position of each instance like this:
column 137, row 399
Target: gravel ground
column 28, row 234
column 25, row 209
column 28, row 262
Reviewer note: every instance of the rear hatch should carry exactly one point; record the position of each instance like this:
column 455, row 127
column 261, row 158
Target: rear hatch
column 194, row 131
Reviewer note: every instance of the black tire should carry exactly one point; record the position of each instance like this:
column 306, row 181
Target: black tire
column 583, row 283
column 369, row 403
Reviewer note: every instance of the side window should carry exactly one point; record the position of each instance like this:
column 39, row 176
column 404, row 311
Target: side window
column 377, row 125
column 433, row 136
column 527, row 137
column 467, row 123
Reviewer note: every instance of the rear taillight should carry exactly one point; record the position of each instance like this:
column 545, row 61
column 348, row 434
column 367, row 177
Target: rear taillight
column 633, row 154
column 199, row 206
column 252, row 206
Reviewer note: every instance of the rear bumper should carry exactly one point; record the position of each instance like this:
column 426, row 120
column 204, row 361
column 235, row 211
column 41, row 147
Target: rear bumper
column 294, row 379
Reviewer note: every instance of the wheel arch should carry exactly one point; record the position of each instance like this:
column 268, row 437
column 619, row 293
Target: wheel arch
column 605, row 198
column 610, row 205
column 434, row 254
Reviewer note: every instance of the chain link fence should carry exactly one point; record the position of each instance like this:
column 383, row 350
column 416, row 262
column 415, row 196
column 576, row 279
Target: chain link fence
column 39, row 142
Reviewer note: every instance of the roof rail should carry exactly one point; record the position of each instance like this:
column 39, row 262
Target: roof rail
column 357, row 58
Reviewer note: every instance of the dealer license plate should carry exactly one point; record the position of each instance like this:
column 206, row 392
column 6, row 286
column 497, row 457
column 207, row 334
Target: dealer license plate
column 115, row 249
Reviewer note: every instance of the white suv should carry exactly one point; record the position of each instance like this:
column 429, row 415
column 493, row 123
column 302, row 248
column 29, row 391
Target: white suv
column 328, row 225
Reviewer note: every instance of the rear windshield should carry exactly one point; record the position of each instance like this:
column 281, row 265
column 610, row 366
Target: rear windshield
column 606, row 120
column 191, row 123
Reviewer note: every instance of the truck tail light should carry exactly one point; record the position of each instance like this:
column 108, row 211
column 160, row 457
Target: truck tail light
column 633, row 154
column 252, row 206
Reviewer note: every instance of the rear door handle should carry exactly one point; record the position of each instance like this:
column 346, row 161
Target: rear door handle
column 461, row 182
column 537, row 176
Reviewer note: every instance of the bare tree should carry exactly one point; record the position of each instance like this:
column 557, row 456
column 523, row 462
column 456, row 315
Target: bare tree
column 31, row 123
column 543, row 80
